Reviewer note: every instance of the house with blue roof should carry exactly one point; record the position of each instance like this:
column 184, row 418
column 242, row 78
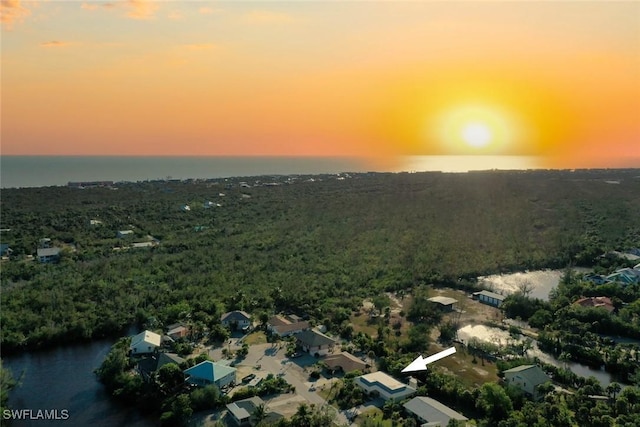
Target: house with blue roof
column 210, row 373
column 625, row 276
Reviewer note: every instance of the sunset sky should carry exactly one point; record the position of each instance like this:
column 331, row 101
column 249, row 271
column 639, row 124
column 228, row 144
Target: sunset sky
column 558, row 82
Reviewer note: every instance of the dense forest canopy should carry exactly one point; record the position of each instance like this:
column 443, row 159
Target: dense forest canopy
column 311, row 244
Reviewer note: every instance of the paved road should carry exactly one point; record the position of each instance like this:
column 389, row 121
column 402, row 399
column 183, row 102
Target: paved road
column 272, row 359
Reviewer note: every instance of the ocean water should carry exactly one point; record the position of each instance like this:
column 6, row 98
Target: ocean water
column 42, row 171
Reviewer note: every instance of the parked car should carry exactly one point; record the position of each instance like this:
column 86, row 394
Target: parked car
column 248, row 378
column 295, row 355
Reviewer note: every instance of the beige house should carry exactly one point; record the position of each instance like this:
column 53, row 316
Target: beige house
column 285, row 326
column 384, row 385
column 145, row 342
column 527, row 378
column 346, row 362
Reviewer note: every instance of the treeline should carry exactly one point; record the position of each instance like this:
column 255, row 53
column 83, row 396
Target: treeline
column 313, row 248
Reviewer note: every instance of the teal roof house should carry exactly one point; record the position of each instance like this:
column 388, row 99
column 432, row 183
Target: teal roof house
column 208, row 373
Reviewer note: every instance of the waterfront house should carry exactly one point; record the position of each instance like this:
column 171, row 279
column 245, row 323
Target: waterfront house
column 601, row 302
column 145, row 342
column 167, row 358
column 596, row 279
column 384, row 385
column 624, row 277
column 432, row 412
column 236, row 319
column 489, row 298
column 207, row 373
column 315, row 342
column 527, row 378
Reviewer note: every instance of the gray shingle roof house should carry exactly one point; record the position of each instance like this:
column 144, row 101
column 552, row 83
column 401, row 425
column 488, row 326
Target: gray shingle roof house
column 241, row 410
column 527, row 378
column 432, row 412
column 315, row 342
column 167, row 358
column 236, row 318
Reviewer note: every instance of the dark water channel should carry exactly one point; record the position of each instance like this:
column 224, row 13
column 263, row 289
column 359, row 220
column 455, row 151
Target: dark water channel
column 63, row 379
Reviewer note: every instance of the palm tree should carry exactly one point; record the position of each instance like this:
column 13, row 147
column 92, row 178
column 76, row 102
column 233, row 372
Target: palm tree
column 259, row 414
column 613, row 389
column 302, row 416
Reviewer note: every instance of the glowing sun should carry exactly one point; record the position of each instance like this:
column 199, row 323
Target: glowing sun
column 476, row 134
column 474, row 129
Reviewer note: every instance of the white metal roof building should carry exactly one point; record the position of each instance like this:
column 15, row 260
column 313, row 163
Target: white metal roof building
column 432, row 412
column 386, row 386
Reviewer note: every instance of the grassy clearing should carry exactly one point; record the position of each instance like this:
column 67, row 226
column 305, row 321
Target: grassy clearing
column 362, row 323
column 257, row 337
column 461, row 364
column 374, row 414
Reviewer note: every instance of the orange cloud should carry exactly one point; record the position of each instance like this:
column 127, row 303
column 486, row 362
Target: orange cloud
column 141, row 9
column 12, row 11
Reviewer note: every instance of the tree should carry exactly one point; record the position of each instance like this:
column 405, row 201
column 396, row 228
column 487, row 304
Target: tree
column 494, row 402
column 302, row 417
column 613, row 389
column 525, row 287
column 418, row 338
column 169, row 377
column 7, row 383
column 380, row 302
column 264, row 319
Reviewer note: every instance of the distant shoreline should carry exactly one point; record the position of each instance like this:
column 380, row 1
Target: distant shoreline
column 47, row 171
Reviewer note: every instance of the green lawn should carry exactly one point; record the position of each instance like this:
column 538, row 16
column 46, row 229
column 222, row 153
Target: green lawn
column 375, row 414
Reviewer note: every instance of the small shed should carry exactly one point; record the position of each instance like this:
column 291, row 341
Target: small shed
column 446, row 303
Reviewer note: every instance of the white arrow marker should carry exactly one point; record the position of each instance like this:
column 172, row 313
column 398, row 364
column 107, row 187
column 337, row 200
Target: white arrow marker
column 420, row 364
